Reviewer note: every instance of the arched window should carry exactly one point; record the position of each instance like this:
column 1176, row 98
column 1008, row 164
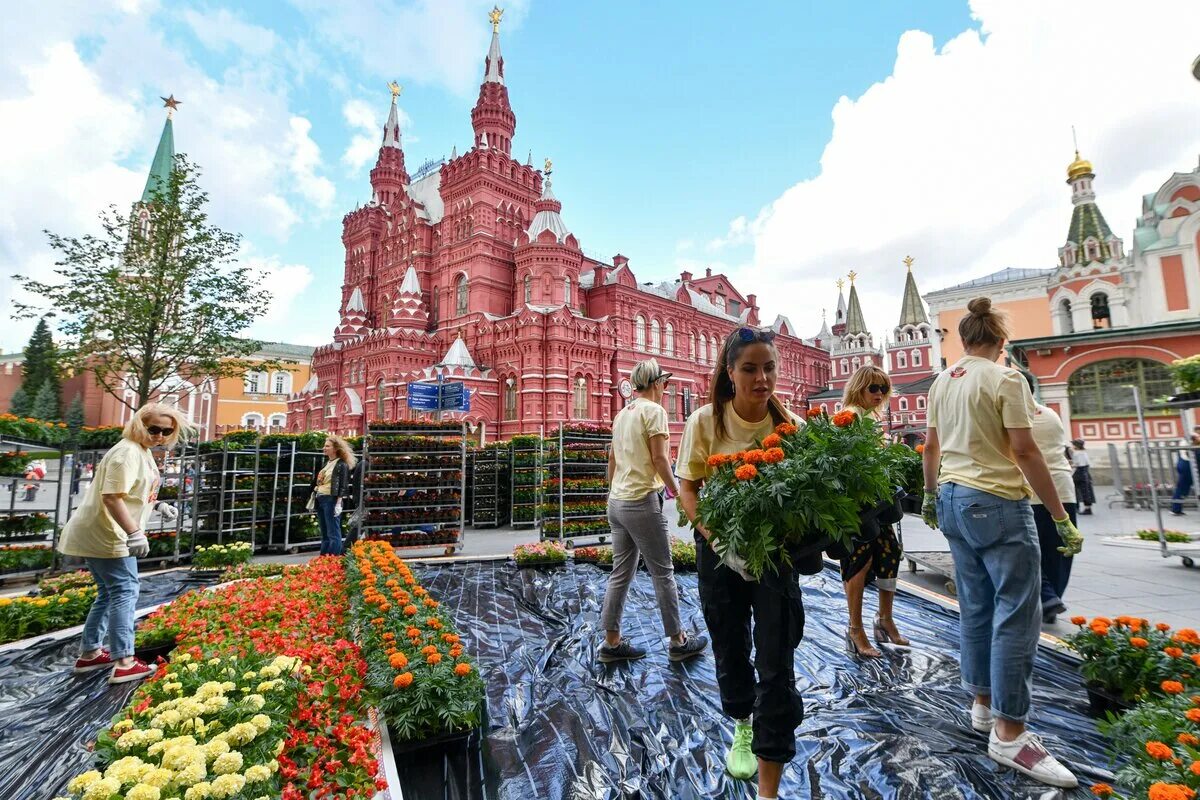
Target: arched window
column 581, row 398
column 380, row 401
column 528, row 288
column 277, row 420
column 328, row 404
column 510, row 398
column 921, row 402
column 712, row 349
column 1101, row 389
column 639, row 332
column 255, row 382
column 904, row 404
column 901, row 360
column 824, row 409
column 1100, row 315
column 461, row 295
column 692, row 346
column 703, row 349
column 1065, row 320
column 655, row 336
column 567, row 291
column 669, row 347
column 433, row 310
column 845, row 367
column 855, row 363
column 281, row 383
column 252, row 420
column 916, row 358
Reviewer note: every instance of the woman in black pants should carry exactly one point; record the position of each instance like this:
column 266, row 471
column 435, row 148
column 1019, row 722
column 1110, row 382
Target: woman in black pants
column 742, row 410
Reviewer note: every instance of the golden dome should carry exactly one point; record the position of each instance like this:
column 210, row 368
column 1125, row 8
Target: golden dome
column 1079, row 167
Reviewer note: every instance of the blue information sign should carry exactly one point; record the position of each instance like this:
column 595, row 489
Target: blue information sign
column 424, row 397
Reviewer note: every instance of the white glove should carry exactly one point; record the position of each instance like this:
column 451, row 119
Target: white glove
column 169, row 512
column 138, row 544
column 738, row 565
column 337, row 508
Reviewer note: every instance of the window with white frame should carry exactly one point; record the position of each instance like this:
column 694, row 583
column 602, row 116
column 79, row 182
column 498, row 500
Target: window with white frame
column 916, row 358
column 380, row 400
column 692, row 346
column 639, row 332
column 567, row 291
column 510, row 399
column 252, row 420
column 655, row 336
column 255, row 382
column 669, row 347
column 581, row 398
column 904, row 404
column 901, row 360
column 278, row 420
column 703, row 349
column 528, row 288
column 712, row 349
column 462, row 293
column 921, row 402
column 281, row 383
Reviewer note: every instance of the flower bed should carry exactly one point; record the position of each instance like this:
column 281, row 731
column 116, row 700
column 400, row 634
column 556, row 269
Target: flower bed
column 549, row 554
column 25, row 526
column 162, row 544
column 22, row 558
column 21, row 617
column 217, row 556
column 61, row 583
column 30, row 429
column 1129, row 658
column 578, row 528
column 14, row 462
column 244, row 571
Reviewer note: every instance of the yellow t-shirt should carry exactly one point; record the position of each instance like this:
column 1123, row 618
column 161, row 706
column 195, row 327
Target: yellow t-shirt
column 970, row 405
column 700, row 440
column 634, row 425
column 1051, row 439
column 325, row 478
column 128, row 469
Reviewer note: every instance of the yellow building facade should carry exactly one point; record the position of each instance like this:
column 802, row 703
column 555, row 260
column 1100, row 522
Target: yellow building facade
column 259, row 400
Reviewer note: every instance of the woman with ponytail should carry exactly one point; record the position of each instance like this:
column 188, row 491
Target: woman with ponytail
column 981, row 461
column 741, row 412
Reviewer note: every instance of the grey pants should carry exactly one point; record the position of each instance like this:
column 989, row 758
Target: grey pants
column 639, row 528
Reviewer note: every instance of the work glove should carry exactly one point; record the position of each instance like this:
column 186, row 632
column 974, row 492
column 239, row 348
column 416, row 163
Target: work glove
column 738, row 565
column 337, row 507
column 169, row 512
column 138, row 544
column 929, row 510
column 1072, row 539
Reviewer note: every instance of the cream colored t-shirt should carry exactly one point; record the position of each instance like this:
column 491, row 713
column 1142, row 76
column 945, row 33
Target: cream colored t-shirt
column 700, row 440
column 128, row 469
column 970, row 405
column 634, row 425
column 325, row 478
column 1051, row 439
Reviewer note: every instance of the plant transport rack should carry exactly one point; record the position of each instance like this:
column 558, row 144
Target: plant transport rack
column 31, row 524
column 579, row 467
column 1190, row 551
column 525, row 478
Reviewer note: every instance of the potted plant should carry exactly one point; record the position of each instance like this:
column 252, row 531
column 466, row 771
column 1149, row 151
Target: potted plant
column 1187, row 377
column 540, row 554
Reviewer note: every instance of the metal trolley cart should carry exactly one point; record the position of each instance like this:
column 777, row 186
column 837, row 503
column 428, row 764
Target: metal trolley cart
column 490, row 482
column 29, row 521
column 526, row 456
column 575, row 495
column 1166, row 458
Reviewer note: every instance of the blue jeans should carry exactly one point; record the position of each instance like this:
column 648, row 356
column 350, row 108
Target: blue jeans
column 997, row 564
column 1056, row 568
column 331, row 526
column 1183, row 484
column 117, row 588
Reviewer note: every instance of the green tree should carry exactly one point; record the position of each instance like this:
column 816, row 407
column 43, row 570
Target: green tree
column 41, row 368
column 75, row 418
column 155, row 297
column 45, row 403
column 19, row 403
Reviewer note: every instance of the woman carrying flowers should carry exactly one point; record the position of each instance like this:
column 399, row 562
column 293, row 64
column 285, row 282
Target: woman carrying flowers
column 979, row 454
column 742, row 411
column 866, row 395
column 107, row 530
column 638, row 469
column 329, row 486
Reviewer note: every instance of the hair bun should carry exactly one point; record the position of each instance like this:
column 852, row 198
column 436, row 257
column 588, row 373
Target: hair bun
column 980, row 306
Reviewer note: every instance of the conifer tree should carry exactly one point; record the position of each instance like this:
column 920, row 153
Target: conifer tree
column 41, row 368
column 20, row 404
column 75, row 418
column 45, row 403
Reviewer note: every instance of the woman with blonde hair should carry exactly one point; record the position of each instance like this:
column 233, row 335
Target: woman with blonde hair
column 329, row 486
column 878, row 559
column 108, row 532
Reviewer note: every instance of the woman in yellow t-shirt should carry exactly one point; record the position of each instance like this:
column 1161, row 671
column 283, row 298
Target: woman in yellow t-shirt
column 866, row 394
column 107, row 531
column 742, row 410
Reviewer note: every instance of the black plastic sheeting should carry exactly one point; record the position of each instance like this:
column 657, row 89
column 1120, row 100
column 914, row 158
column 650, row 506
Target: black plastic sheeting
column 49, row 716
column 564, row 727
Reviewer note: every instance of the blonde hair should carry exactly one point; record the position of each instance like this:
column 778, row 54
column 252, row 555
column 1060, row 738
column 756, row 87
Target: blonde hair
column 983, row 326
column 855, row 393
column 342, row 448
column 135, row 429
column 644, row 374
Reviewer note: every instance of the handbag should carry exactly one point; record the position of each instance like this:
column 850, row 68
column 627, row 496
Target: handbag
column 311, row 505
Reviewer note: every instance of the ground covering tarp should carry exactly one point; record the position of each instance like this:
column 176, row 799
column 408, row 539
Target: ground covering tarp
column 564, row 727
column 49, row 716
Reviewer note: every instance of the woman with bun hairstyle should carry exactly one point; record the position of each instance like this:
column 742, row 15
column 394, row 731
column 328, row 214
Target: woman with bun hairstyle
column 980, row 462
column 866, row 394
column 741, row 412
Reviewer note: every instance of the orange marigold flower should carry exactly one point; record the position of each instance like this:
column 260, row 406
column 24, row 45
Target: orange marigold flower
column 1188, row 739
column 844, row 418
column 410, row 610
column 1195, row 767
column 403, row 680
column 1079, row 620
column 1187, row 636
column 1102, row 790
column 433, row 622
column 746, row 472
column 428, row 649
column 433, row 658
column 1139, row 642
column 1159, row 750
column 456, row 651
column 398, row 660
column 1172, row 687
column 462, row 670
column 772, row 440
column 1196, row 659
column 1193, row 714
column 1170, row 791
column 1162, row 626
column 755, row 457
column 774, row 455
column 452, row 638
column 920, row 449
column 1102, row 620
column 1173, row 652
column 412, row 632
column 786, row 428
column 1099, row 629
column 813, row 412
column 716, row 459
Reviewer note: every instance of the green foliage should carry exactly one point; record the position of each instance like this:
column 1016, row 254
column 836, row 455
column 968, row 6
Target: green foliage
column 41, row 375
column 1179, row 537
column 20, row 403
column 139, row 305
column 46, row 403
column 909, row 474
column 1187, row 373
column 1163, row 721
column 75, row 418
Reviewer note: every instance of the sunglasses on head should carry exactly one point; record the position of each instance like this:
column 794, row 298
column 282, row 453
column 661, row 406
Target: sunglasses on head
column 878, row 388
column 750, row 335
column 662, row 376
column 154, row 430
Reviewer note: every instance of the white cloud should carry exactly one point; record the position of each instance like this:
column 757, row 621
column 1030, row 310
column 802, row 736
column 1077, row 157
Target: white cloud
column 959, row 156
column 738, row 233
column 361, row 117
column 304, row 161
column 285, row 282
column 222, row 30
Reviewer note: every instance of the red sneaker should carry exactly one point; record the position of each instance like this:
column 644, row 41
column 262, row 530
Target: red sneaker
column 100, row 661
column 134, row 672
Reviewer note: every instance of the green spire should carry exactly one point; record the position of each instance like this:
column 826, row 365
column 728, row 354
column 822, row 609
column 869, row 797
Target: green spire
column 855, row 323
column 912, row 311
column 1087, row 221
column 164, row 161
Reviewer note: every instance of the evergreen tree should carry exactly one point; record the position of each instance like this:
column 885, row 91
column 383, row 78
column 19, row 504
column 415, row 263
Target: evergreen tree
column 20, row 403
column 45, row 404
column 75, row 417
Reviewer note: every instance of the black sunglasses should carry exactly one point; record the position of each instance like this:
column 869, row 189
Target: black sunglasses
column 662, row 376
column 749, row 335
column 154, row 430
column 878, row 388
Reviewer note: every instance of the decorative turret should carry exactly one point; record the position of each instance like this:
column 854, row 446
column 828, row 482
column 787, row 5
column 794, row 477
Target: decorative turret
column 1089, row 238
column 408, row 310
column 839, row 318
column 390, row 175
column 855, row 323
column 548, row 216
column 164, row 156
column 824, row 337
column 492, row 118
column 354, row 318
column 548, row 258
column 912, row 310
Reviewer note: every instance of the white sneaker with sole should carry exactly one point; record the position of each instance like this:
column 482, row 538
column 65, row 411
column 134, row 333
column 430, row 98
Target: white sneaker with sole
column 981, row 718
column 1026, row 754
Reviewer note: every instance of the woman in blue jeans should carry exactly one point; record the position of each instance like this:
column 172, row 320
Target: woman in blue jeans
column 107, row 530
column 980, row 462
column 330, row 485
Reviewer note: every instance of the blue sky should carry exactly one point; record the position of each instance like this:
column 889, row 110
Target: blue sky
column 682, row 135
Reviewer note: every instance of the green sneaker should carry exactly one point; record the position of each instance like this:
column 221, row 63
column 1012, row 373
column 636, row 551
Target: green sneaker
column 740, row 762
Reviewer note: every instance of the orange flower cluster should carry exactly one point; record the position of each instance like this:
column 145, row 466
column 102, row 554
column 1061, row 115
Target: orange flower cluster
column 1186, row 636
column 772, row 440
column 1172, row 687
column 1102, row 790
column 1139, row 642
column 746, row 472
column 844, row 418
column 1160, row 751
column 1171, row 791
column 786, row 429
column 813, row 412
column 746, row 461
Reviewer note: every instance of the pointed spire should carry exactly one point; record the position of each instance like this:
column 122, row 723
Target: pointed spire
column 391, row 128
column 164, row 155
column 912, row 310
column 548, row 216
column 390, row 174
column 855, row 323
column 458, row 355
column 408, row 310
column 483, row 141
column 454, row 152
column 494, row 72
column 492, row 118
column 529, row 159
column 354, row 318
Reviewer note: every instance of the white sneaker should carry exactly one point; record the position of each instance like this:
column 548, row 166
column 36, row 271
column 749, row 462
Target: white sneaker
column 981, row 718
column 1026, row 754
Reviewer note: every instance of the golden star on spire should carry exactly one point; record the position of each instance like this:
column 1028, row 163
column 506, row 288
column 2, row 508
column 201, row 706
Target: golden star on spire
column 494, row 15
column 908, row 262
column 549, row 167
column 170, row 104
column 396, row 89
column 852, row 275
column 840, row 283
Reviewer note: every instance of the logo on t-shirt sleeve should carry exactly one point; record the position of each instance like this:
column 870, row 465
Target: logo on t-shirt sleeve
column 958, row 372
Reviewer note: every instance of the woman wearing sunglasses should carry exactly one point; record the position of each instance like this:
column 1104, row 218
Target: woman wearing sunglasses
column 638, row 470
column 866, row 394
column 743, row 410
column 107, row 531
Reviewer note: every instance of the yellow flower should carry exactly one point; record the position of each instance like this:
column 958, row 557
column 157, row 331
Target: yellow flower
column 228, row 785
column 227, row 763
column 158, row 777
column 143, row 791
column 198, row 792
column 5, row 601
column 257, row 774
column 81, row 782
column 102, row 789
column 215, row 748
column 41, row 603
column 261, row 721
column 255, row 701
